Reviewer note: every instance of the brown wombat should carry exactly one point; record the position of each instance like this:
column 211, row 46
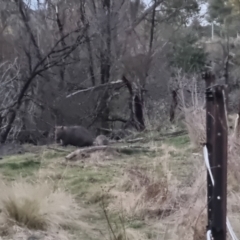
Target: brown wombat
column 73, row 135
column 101, row 140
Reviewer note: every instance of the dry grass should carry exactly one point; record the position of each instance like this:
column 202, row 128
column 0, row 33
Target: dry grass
column 195, row 120
column 146, row 192
column 156, row 189
column 36, row 206
column 194, row 112
column 192, row 107
column 149, row 194
column 190, row 221
column 191, row 217
column 233, row 163
column 19, row 233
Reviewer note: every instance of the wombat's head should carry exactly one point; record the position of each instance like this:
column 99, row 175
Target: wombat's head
column 100, row 140
column 58, row 132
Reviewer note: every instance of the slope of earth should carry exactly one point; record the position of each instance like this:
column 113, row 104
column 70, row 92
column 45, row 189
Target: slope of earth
column 131, row 195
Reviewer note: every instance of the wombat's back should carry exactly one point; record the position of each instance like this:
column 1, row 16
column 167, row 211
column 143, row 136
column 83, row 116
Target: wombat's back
column 77, row 136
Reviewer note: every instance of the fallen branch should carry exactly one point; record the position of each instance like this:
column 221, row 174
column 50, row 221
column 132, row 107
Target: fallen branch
column 94, row 88
column 58, row 149
column 175, row 134
column 141, row 139
column 128, row 140
column 124, row 149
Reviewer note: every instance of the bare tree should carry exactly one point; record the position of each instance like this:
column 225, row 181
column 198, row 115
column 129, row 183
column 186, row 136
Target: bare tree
column 53, row 58
column 80, row 49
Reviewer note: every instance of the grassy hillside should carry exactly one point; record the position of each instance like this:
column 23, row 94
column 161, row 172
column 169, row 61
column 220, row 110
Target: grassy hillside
column 154, row 194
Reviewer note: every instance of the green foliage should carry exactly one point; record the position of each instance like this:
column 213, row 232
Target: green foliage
column 186, row 54
column 180, row 10
column 218, row 10
column 226, row 14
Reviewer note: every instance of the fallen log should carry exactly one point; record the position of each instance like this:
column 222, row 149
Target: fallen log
column 128, row 140
column 57, row 149
column 141, row 139
column 123, row 149
column 175, row 134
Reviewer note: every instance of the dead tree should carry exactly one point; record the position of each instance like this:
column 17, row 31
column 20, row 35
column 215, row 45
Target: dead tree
column 52, row 59
column 105, row 64
column 174, row 104
column 60, row 24
column 135, row 106
column 89, row 45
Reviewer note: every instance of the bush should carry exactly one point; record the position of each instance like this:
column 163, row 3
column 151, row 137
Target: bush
column 36, row 206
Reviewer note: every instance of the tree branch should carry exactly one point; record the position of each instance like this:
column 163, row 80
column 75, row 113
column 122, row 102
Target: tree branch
column 95, row 88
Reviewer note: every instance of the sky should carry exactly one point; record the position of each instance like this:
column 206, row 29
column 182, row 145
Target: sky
column 203, row 10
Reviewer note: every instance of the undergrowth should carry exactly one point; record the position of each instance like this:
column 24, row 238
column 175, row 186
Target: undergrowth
column 159, row 194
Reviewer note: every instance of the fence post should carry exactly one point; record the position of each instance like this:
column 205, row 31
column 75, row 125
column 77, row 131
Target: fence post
column 219, row 163
column 209, row 80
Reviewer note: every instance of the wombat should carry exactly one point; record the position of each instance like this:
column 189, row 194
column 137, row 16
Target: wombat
column 101, row 140
column 73, row 135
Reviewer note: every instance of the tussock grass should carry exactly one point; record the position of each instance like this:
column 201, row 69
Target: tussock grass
column 155, row 195
column 127, row 234
column 36, row 206
column 196, row 126
column 160, row 195
column 189, row 221
column 146, row 192
column 149, row 193
column 195, row 120
column 19, row 233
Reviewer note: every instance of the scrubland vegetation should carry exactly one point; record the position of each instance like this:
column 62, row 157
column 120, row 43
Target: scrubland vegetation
column 159, row 194
column 130, row 68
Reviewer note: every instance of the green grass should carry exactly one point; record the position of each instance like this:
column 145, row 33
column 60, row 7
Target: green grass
column 89, row 182
column 24, row 165
column 136, row 224
column 179, row 142
column 83, row 182
column 51, row 154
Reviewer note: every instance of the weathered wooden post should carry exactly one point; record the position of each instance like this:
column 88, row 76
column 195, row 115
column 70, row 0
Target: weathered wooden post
column 217, row 146
column 209, row 80
column 219, row 164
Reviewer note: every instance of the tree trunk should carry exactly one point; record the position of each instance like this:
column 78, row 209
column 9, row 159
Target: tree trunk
column 135, row 106
column 1, row 120
column 60, row 25
column 105, row 67
column 173, row 106
column 5, row 133
column 226, row 76
column 88, row 42
column 139, row 119
column 104, row 109
column 152, row 27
